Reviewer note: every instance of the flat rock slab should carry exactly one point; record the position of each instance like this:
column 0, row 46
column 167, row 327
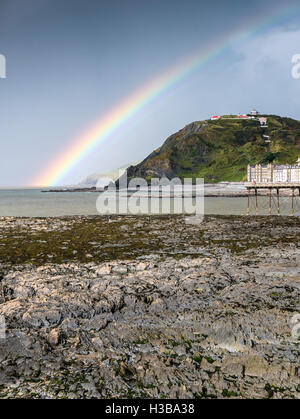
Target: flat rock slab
column 181, row 311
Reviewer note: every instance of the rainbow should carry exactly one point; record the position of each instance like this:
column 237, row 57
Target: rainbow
column 54, row 173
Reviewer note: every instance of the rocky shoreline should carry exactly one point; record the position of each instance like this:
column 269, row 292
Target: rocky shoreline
column 150, row 307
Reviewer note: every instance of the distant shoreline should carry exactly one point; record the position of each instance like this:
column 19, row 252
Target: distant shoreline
column 218, row 190
column 209, row 195
column 93, row 189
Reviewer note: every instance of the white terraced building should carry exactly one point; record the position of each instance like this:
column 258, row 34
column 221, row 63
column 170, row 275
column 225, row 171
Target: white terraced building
column 274, row 174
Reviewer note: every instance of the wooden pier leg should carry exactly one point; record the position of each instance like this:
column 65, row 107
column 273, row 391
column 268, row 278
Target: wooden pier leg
column 278, row 202
column 248, row 209
column 256, row 202
column 293, row 196
column 270, row 201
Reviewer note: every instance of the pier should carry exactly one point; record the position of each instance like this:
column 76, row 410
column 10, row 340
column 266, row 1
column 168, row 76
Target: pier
column 272, row 197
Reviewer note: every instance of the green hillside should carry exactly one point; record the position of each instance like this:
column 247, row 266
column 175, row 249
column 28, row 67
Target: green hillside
column 221, row 150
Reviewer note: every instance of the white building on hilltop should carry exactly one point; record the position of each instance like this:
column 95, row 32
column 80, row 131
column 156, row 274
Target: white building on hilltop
column 274, row 174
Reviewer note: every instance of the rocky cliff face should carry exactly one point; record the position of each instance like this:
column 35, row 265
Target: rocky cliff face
column 221, row 150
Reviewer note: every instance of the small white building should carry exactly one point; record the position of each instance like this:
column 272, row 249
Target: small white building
column 263, row 122
column 254, row 112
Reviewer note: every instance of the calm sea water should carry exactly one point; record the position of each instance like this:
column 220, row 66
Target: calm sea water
column 34, row 203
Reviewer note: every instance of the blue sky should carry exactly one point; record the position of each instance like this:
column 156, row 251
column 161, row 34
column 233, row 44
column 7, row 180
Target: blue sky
column 69, row 61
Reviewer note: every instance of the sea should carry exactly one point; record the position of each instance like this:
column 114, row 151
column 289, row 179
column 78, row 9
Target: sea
column 36, row 203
